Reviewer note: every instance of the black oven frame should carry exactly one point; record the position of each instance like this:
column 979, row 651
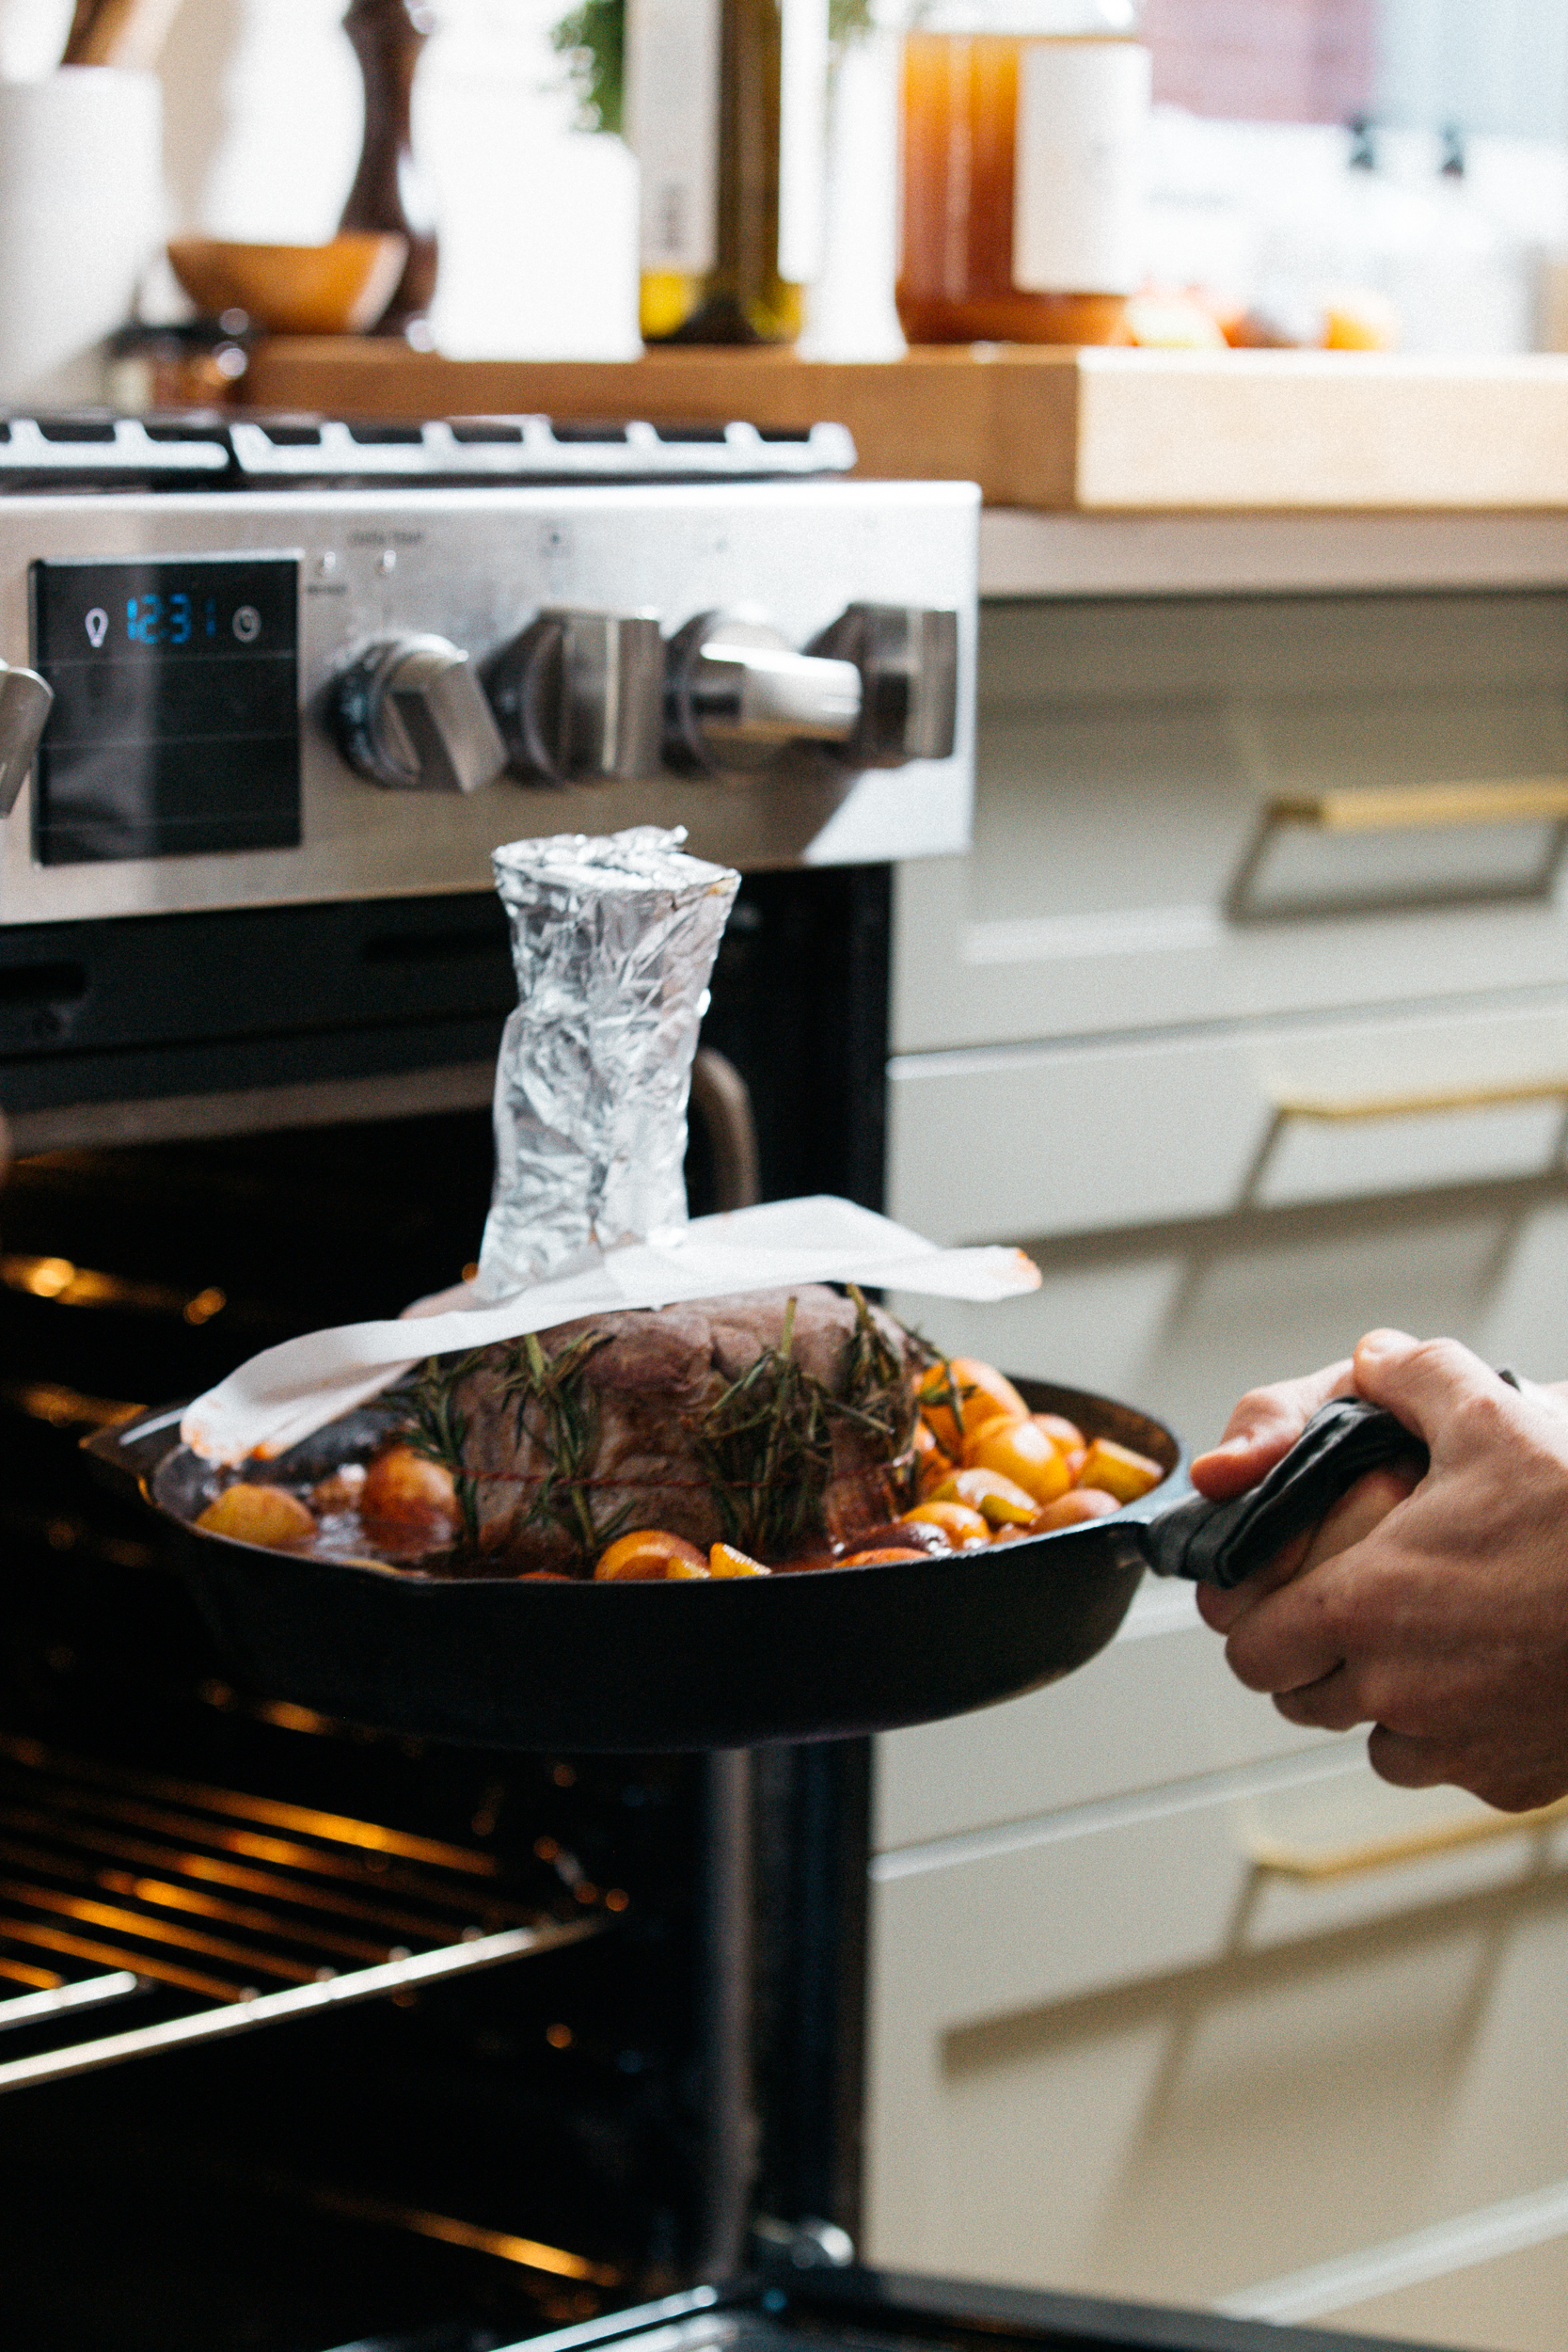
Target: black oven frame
column 197, row 1026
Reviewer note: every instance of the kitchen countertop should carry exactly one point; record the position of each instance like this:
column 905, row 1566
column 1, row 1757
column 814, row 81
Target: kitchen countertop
column 1025, row 554
column 1088, row 433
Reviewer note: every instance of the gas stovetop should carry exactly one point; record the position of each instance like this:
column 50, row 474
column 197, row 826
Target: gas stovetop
column 209, row 452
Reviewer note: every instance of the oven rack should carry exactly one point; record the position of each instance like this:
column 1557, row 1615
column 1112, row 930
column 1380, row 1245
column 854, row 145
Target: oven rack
column 129, row 1891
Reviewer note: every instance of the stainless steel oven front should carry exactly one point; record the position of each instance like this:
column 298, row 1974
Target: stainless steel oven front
column 355, row 683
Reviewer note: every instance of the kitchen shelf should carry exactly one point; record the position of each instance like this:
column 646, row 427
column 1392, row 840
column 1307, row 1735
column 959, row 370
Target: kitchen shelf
column 1095, row 431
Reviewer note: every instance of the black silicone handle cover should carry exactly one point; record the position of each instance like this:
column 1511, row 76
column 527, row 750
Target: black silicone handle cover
column 1223, row 1543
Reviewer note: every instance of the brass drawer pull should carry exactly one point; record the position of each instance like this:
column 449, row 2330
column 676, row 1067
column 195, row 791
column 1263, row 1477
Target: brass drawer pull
column 1401, row 808
column 1314, row 1867
column 1344, row 1110
column 1396, row 808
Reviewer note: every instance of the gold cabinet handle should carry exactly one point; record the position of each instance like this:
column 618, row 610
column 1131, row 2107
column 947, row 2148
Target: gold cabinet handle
column 1315, row 1866
column 1346, row 1109
column 1398, row 808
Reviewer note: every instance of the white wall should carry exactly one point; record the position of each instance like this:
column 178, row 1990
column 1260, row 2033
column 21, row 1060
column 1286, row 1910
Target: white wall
column 1497, row 66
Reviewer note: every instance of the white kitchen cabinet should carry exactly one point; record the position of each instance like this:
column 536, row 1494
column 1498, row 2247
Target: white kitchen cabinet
column 1114, row 2045
column 1513, row 2300
column 1158, row 1706
column 1180, row 1318
column 1128, row 752
column 992, row 1142
column 1110, row 2051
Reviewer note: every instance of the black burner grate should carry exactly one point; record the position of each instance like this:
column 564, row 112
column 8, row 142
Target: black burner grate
column 209, row 451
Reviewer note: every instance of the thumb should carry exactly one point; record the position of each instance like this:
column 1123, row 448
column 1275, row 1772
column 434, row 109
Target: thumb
column 1263, row 1428
column 1421, row 1382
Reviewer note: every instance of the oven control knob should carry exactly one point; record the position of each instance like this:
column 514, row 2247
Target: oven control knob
column 908, row 660
column 737, row 694
column 579, row 696
column 25, row 702
column 411, row 714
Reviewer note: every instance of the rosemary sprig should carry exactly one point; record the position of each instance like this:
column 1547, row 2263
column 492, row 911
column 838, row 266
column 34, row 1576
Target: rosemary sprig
column 878, row 1396
column 556, row 1407
column 765, row 1448
column 438, row 1430
column 765, row 1440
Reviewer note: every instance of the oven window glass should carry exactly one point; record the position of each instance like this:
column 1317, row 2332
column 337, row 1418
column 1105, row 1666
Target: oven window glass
column 176, row 722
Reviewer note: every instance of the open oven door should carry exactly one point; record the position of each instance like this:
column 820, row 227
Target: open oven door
column 858, row 2310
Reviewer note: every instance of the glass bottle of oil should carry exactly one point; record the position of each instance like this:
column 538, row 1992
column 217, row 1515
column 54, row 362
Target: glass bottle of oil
column 1022, row 125
column 726, row 103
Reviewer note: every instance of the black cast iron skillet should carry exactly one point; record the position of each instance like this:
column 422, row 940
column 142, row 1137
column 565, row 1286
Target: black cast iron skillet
column 824, row 1654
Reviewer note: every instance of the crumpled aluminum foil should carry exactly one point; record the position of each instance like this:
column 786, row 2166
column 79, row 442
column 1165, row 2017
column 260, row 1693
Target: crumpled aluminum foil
column 613, row 938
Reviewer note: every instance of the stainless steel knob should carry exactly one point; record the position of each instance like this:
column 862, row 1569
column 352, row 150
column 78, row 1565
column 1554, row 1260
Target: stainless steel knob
column 580, row 695
column 25, row 702
column 908, row 660
column 410, row 714
column 738, row 693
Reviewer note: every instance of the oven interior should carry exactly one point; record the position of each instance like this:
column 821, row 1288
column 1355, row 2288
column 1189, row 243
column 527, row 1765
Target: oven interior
column 467, row 2158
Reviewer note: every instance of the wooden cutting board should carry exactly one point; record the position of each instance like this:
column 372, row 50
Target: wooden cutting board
column 1099, row 431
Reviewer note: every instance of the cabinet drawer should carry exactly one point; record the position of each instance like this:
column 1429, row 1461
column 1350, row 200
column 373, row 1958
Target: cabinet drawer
column 1089, row 2042
column 1181, row 1320
column 1125, row 872
column 1007, row 1920
column 1160, row 1705
column 1002, row 1143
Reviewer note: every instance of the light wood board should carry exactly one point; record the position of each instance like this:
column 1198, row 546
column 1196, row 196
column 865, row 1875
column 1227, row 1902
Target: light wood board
column 1099, row 431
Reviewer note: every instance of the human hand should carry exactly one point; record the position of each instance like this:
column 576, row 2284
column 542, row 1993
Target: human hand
column 1353, row 1517
column 1263, row 1428
column 1259, row 1433
column 1440, row 1615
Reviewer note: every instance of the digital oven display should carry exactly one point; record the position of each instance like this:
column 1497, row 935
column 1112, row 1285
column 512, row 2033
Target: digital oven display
column 176, row 720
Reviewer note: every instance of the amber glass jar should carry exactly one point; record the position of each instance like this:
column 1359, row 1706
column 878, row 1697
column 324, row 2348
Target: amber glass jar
column 726, row 104
column 1022, row 129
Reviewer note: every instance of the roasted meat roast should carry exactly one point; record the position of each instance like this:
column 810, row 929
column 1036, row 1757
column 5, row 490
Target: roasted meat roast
column 780, row 1422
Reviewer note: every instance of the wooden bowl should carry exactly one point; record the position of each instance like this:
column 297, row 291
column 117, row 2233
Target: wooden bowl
column 1012, row 317
column 337, row 288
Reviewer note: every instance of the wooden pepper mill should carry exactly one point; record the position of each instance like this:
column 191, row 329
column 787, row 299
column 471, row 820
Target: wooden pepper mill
column 387, row 191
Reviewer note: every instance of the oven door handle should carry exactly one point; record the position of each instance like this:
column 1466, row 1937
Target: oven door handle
column 722, row 1101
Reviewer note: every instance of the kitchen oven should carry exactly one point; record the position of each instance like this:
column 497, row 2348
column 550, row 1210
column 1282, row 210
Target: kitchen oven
column 311, row 2037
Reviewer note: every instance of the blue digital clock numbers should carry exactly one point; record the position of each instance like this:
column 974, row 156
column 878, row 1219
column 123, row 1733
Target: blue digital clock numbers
column 176, row 726
column 171, row 620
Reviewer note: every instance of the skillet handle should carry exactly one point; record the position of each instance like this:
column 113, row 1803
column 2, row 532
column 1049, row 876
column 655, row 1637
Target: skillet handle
column 1224, row 1543
column 124, row 1456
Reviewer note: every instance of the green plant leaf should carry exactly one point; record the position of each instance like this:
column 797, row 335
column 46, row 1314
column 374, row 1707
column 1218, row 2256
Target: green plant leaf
column 592, row 39
column 849, row 20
